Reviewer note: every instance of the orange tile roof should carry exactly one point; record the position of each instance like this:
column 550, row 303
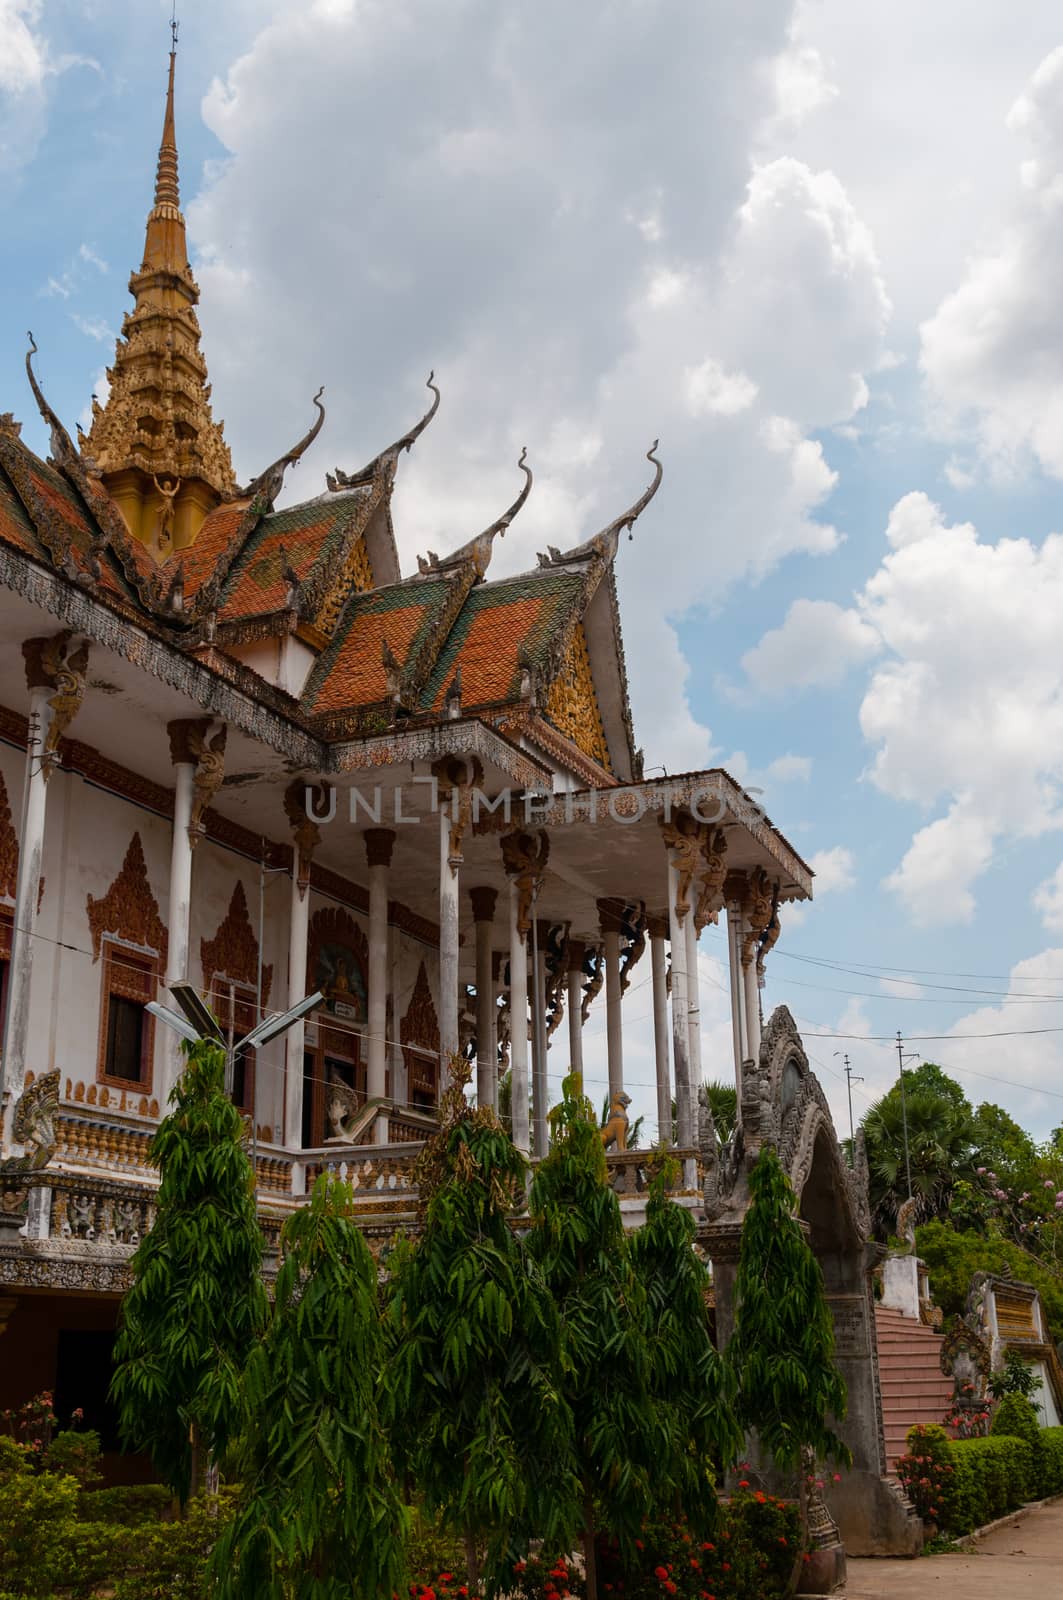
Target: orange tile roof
column 357, row 675
column 15, row 526
column 487, row 654
column 200, row 560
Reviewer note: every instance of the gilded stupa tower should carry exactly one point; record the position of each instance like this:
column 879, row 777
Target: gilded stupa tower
column 155, row 443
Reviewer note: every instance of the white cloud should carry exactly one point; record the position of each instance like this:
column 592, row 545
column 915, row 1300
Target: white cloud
column 992, row 353
column 835, row 870
column 816, row 645
column 1048, row 900
column 967, row 706
column 571, row 272
column 23, row 51
column 26, row 64
column 92, row 258
column 1012, row 1053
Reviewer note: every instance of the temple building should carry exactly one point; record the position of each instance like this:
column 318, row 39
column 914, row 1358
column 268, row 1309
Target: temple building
column 241, row 748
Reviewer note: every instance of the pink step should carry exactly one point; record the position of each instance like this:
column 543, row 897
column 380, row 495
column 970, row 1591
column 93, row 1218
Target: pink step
column 914, row 1388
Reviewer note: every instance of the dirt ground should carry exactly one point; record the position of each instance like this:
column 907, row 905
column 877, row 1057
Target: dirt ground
column 1023, row 1560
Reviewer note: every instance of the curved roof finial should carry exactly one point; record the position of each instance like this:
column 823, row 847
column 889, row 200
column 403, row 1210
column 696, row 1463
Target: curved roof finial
column 478, row 551
column 268, row 484
column 605, row 544
column 353, row 480
column 629, row 518
column 63, row 449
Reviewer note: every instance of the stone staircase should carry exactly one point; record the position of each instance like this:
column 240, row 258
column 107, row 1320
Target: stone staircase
column 914, row 1388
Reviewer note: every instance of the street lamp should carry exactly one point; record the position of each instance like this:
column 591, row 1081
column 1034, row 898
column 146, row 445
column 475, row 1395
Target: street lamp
column 198, row 1023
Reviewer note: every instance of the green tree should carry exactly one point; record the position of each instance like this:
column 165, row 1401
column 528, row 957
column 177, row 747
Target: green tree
column 722, row 1100
column 478, row 1421
column 1002, row 1146
column 782, row 1350
column 691, row 1389
column 197, row 1304
column 941, row 1143
column 954, row 1255
column 577, row 1237
column 320, row 1516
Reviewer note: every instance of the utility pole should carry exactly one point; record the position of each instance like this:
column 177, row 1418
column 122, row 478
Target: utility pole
column 850, row 1079
column 902, row 1058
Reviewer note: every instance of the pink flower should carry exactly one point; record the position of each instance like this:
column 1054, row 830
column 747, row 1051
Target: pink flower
column 1049, row 1183
column 981, row 1171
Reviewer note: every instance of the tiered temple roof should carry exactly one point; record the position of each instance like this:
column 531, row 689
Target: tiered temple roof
column 146, row 514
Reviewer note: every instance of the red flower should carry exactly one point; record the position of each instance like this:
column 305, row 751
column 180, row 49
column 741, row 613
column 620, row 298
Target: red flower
column 743, row 1483
column 660, row 1572
column 695, row 1563
column 670, row 1586
column 639, row 1545
column 519, row 1566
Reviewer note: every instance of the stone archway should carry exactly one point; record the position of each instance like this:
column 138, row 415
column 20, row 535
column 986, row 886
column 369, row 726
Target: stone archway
column 784, row 1105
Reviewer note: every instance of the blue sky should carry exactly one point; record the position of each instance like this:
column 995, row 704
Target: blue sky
column 813, row 246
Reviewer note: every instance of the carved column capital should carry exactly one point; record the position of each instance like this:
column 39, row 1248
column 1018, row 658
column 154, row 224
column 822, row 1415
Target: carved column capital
column 524, row 856
column 575, row 955
column 306, row 834
column 657, row 925
column 379, row 845
column 181, row 733
column 682, row 839
column 456, row 778
column 484, row 900
column 611, row 918
column 207, row 749
column 58, row 663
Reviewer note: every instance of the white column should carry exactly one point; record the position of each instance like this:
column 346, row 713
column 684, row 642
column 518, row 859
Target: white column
column 574, row 978
column 298, row 927
column 659, row 973
column 448, row 948
column 30, row 853
column 608, row 912
column 180, row 909
column 752, row 998
column 538, row 1020
column 379, row 843
column 693, row 1009
column 680, row 1021
column 518, row 1022
column 734, row 968
column 483, row 911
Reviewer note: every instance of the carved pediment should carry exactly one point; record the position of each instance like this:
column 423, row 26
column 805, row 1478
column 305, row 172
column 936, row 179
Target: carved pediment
column 233, row 951
column 129, row 909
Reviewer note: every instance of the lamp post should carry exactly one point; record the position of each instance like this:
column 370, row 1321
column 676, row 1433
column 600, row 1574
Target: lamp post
column 196, row 1022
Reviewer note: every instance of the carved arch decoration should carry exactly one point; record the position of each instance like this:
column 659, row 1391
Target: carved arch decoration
column 804, row 1129
column 419, row 1037
column 337, row 960
column 233, row 951
column 8, row 847
column 129, row 910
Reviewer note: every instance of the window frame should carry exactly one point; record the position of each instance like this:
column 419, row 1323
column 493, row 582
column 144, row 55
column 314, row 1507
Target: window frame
column 119, row 961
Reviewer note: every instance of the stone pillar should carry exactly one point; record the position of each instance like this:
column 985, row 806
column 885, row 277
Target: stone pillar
column 379, row 843
column 518, row 1021
column 610, row 914
column 658, row 932
column 680, row 1020
column 484, row 900
column 738, row 999
column 693, row 1002
column 751, row 992
column 540, row 1093
column 455, row 781
column 182, row 735
column 574, row 978
column 306, row 836
column 55, row 678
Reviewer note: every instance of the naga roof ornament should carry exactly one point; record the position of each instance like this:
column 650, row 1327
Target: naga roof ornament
column 265, row 489
column 64, row 454
column 604, row 545
column 339, row 479
column 477, row 551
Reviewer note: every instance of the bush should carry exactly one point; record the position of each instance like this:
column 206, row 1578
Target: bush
column 927, row 1473
column 76, row 1454
column 171, row 1558
column 127, row 1507
column 991, row 1479
column 750, row 1556
column 43, row 1544
column 1051, row 1460
column 1016, row 1418
column 953, row 1257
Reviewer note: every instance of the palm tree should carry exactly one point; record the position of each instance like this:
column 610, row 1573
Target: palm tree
column 941, row 1143
column 722, row 1101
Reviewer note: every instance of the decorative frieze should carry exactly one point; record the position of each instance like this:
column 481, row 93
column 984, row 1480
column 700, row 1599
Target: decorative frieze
column 129, row 909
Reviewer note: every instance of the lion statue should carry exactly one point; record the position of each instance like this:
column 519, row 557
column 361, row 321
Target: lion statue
column 617, row 1123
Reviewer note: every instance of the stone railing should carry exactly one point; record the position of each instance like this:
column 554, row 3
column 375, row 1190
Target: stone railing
column 380, row 1176
column 632, row 1170
column 115, row 1145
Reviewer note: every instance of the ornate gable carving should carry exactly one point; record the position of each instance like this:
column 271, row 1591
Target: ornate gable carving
column 420, row 1026
column 354, row 577
column 572, row 704
column 8, row 847
column 233, row 951
column 129, row 910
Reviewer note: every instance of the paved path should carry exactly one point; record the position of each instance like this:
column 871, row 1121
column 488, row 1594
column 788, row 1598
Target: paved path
column 1021, row 1561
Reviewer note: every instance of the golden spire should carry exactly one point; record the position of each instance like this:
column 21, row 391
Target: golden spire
column 155, row 443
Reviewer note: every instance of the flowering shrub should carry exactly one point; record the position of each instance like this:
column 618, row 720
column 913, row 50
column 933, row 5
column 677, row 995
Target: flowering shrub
column 543, row 1577
column 445, row 1586
column 750, row 1555
column 927, row 1472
